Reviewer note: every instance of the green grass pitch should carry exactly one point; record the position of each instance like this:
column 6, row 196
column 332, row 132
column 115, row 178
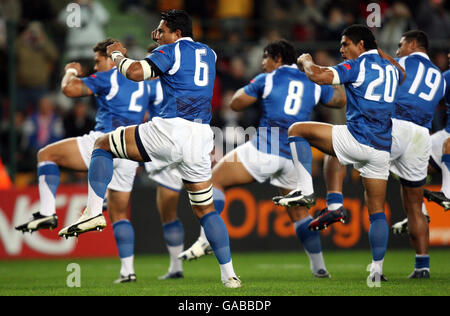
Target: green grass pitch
column 262, row 274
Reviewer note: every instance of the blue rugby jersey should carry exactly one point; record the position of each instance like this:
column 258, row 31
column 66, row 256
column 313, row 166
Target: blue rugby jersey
column 120, row 102
column 371, row 83
column 421, row 91
column 287, row 96
column 188, row 72
column 447, row 98
column 156, row 97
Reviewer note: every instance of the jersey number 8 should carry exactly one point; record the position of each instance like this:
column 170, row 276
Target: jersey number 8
column 293, row 102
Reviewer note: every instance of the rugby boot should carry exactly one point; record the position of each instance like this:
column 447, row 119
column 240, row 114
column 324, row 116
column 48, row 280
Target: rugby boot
column 295, row 198
column 39, row 222
column 327, row 218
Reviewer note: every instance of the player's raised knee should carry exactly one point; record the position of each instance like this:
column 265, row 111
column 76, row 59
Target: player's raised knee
column 102, row 142
column 296, row 129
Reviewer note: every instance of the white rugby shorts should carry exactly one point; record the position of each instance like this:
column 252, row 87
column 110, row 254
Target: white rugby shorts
column 437, row 143
column 186, row 145
column 410, row 151
column 262, row 166
column 124, row 170
column 168, row 177
column 370, row 162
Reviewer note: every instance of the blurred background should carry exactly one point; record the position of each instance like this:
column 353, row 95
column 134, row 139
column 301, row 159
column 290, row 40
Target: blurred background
column 36, row 43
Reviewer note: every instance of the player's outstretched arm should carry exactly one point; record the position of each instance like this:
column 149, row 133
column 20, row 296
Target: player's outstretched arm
column 339, row 99
column 131, row 69
column 241, row 100
column 71, row 85
column 315, row 73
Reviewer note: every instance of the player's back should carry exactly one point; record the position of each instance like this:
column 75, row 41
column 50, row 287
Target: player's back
column 420, row 93
column 287, row 96
column 371, row 82
column 188, row 73
column 120, row 102
column 155, row 98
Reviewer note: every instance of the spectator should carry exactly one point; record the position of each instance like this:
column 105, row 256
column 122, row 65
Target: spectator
column 233, row 16
column 335, row 24
column 43, row 127
column 36, row 57
column 81, row 40
column 434, row 19
column 78, row 122
column 397, row 21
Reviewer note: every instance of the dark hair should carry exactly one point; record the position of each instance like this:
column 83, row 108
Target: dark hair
column 178, row 20
column 284, row 49
column 101, row 46
column 420, row 37
column 359, row 32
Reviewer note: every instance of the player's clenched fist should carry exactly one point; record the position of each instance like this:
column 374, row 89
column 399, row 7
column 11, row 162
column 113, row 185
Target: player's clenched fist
column 116, row 47
column 75, row 66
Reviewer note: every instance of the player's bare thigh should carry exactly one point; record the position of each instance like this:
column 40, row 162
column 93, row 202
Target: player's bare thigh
column 64, row 153
column 319, row 135
column 230, row 171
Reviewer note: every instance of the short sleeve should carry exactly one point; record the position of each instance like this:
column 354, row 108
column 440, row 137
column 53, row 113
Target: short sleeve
column 99, row 82
column 162, row 58
column 326, row 94
column 348, row 71
column 256, row 87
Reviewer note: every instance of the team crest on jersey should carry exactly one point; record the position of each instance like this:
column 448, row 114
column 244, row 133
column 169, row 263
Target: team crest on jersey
column 347, row 66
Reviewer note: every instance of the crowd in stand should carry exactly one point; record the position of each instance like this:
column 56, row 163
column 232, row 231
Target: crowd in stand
column 237, row 30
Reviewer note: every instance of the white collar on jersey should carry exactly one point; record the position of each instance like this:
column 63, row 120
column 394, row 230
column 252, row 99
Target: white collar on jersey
column 372, row 51
column 420, row 54
column 289, row 66
column 184, row 39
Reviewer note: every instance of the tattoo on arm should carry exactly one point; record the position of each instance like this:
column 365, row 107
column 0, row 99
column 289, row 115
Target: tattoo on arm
column 339, row 98
column 85, row 91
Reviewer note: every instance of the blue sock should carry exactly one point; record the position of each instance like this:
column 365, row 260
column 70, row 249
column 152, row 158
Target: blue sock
column 446, row 160
column 217, row 235
column 219, row 200
column 378, row 235
column 50, row 171
column 422, row 262
column 310, row 239
column 173, row 233
column 100, row 171
column 124, row 235
column 334, row 201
